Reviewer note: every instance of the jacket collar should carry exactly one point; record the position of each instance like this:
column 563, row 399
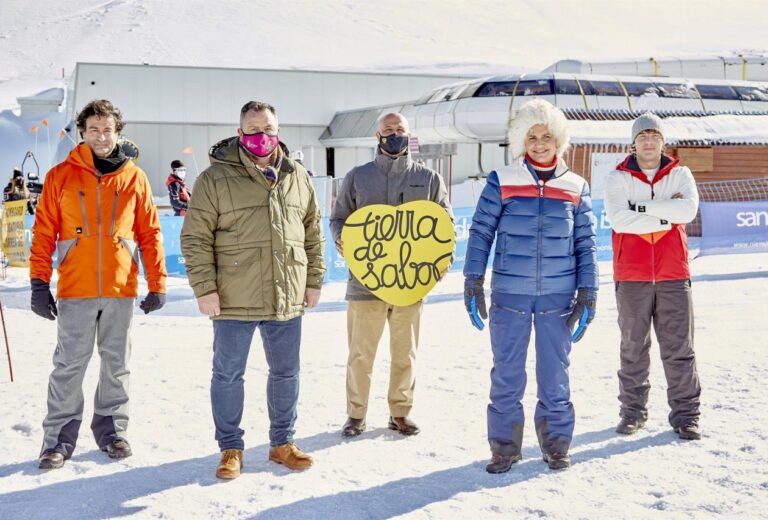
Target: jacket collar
column 629, row 165
column 560, row 169
column 394, row 165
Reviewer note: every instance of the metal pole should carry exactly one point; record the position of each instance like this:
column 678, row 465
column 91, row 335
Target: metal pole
column 7, row 347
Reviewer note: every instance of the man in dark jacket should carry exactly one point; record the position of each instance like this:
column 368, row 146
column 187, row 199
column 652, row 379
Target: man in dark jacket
column 391, row 178
column 178, row 192
column 648, row 200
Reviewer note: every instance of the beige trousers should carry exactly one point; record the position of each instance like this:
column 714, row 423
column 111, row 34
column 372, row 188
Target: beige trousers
column 365, row 325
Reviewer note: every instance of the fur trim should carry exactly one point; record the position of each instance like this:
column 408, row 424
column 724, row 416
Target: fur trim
column 538, row 112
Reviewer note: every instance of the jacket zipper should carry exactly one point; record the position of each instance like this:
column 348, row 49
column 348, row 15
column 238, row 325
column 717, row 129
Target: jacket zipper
column 114, row 214
column 82, row 209
column 653, row 249
column 538, row 240
column 98, row 226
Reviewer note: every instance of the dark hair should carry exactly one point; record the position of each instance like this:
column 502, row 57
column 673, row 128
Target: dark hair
column 101, row 108
column 256, row 106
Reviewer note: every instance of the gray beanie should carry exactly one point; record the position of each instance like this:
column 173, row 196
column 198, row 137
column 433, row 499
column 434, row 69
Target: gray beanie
column 647, row 121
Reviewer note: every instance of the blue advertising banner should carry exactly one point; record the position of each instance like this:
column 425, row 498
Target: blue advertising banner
column 734, row 227
column 602, row 231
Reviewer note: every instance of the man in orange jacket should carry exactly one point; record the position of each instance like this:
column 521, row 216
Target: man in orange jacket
column 96, row 211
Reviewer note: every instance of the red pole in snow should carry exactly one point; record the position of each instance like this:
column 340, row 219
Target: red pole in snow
column 7, row 348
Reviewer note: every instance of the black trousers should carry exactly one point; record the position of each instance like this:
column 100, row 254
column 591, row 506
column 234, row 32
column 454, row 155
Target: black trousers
column 668, row 306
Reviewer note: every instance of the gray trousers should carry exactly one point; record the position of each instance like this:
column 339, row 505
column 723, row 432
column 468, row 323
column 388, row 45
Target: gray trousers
column 80, row 322
column 668, row 306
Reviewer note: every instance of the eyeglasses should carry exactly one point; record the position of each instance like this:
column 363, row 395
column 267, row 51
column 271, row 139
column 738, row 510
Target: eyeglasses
column 179, row 170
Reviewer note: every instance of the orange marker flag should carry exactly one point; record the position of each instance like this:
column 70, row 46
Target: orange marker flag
column 188, row 149
column 45, row 122
column 33, row 129
column 62, row 133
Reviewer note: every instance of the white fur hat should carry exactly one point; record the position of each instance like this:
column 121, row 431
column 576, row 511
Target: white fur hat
column 537, row 112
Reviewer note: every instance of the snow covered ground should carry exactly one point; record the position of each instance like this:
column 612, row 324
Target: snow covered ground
column 437, row 474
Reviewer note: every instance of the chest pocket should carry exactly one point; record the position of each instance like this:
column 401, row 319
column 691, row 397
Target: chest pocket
column 416, row 191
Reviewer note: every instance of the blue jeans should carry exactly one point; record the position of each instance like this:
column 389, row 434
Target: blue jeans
column 231, row 343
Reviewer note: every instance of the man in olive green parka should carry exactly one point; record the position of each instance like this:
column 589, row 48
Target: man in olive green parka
column 253, row 248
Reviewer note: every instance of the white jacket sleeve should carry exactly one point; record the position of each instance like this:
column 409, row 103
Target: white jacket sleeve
column 623, row 219
column 676, row 211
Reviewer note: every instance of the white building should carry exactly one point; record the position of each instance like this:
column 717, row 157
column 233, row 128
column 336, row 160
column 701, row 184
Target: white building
column 169, row 109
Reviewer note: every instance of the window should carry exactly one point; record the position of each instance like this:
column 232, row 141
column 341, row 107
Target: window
column 470, row 90
column 640, row 89
column 440, row 95
column 677, row 90
column 607, row 88
column 753, row 93
column 541, row 87
column 586, row 86
column 717, row 92
column 567, row 87
column 496, row 88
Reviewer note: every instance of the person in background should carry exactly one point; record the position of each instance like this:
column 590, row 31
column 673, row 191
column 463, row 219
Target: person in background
column 648, row 199
column 253, row 247
column 392, row 178
column 35, row 188
column 298, row 156
column 544, row 273
column 17, row 190
column 96, row 212
column 178, row 192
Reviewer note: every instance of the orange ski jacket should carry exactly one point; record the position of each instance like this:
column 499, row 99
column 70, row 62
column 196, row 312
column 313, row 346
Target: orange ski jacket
column 99, row 224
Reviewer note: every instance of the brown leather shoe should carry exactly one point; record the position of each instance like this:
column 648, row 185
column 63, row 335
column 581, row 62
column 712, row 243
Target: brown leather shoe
column 353, row 427
column 403, row 425
column 51, row 460
column 291, row 456
column 230, row 465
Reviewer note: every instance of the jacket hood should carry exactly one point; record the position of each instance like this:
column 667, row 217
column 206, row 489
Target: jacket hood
column 227, row 151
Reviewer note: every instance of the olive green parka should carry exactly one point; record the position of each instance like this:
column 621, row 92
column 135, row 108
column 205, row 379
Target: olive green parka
column 259, row 246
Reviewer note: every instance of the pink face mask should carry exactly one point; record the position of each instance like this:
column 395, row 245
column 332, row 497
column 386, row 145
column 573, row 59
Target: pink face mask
column 259, row 144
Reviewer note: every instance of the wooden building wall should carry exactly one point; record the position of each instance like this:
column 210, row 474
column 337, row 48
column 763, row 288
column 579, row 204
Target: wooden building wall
column 708, row 163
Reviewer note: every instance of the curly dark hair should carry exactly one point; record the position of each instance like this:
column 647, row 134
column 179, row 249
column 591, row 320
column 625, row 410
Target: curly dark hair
column 102, row 108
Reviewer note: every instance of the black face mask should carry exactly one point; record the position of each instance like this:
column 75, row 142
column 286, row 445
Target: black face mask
column 393, row 144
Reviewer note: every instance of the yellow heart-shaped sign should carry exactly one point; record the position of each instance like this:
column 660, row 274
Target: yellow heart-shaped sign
column 399, row 252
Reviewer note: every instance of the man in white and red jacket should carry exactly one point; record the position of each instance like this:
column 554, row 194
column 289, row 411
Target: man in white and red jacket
column 648, row 200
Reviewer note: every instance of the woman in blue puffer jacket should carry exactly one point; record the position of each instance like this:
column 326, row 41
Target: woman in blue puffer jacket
column 544, row 273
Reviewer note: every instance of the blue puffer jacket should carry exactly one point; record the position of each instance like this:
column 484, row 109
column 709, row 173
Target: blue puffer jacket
column 545, row 232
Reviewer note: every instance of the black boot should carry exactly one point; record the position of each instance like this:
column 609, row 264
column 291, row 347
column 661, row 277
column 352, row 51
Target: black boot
column 629, row 425
column 501, row 463
column 557, row 461
column 689, row 432
column 118, row 449
column 51, row 460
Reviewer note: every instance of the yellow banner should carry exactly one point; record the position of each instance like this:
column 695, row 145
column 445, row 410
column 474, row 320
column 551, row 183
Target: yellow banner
column 14, row 241
column 399, row 252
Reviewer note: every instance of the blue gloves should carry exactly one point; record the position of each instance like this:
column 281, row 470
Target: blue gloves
column 474, row 301
column 583, row 312
column 43, row 303
column 152, row 302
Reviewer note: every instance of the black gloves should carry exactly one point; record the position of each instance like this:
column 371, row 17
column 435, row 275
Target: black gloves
column 474, row 301
column 583, row 312
column 152, row 302
column 43, row 303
